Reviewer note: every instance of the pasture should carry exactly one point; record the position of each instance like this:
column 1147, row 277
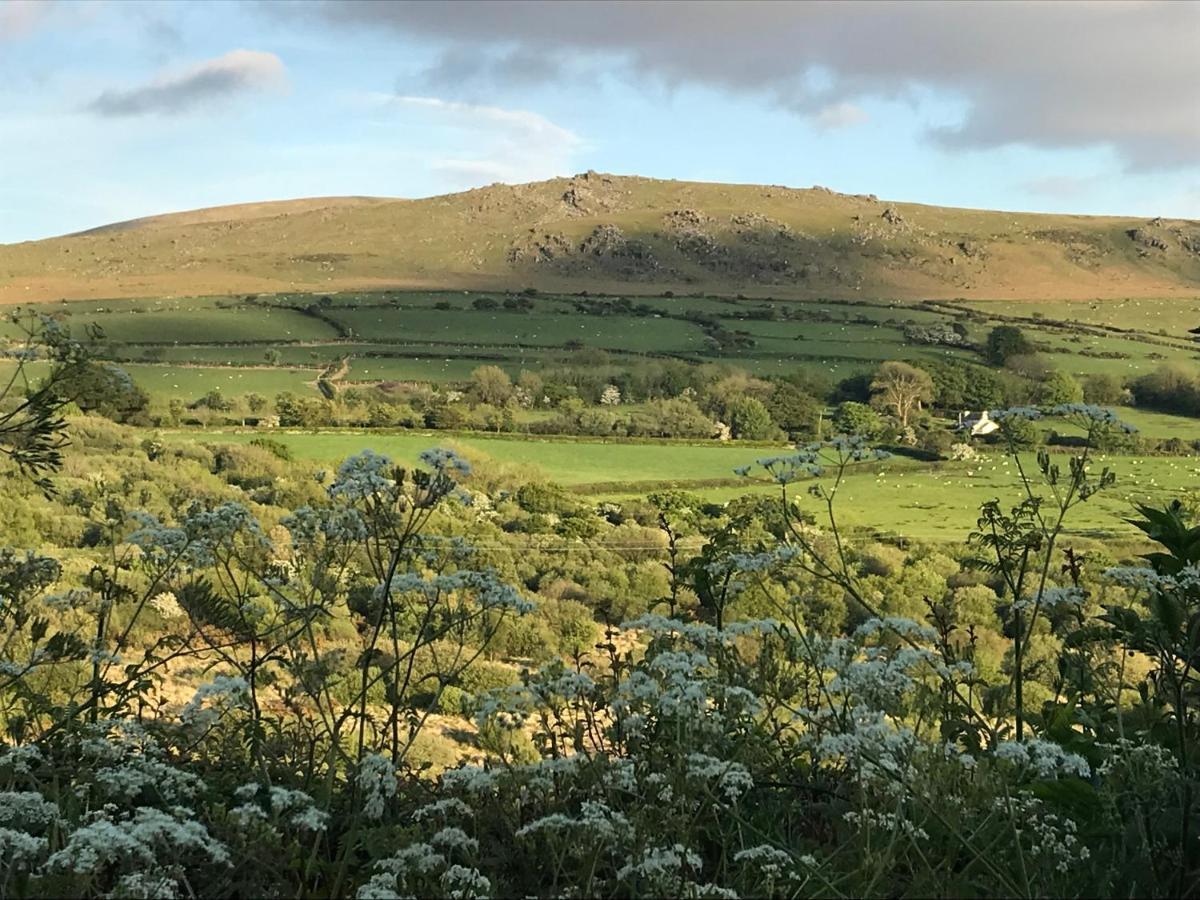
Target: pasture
column 442, row 336
column 901, row 497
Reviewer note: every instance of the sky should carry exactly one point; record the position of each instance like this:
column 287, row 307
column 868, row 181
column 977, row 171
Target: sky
column 115, row 109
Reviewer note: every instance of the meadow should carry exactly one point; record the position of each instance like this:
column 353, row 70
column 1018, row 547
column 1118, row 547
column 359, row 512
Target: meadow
column 520, row 643
column 180, row 348
column 899, row 497
column 442, row 336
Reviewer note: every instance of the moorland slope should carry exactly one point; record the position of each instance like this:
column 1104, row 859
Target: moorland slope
column 612, row 233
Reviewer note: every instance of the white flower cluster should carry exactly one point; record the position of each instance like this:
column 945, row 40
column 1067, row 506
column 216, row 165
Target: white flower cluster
column 442, row 460
column 400, row 872
column 295, row 807
column 209, row 700
column 470, row 780
column 166, row 604
column 334, row 523
column 201, row 533
column 1044, row 758
column 668, row 685
column 865, row 741
column 1053, row 839
column 377, row 780
column 362, row 476
column 490, row 590
column 890, row 822
column 772, row 864
column 142, row 775
column 662, row 868
column 21, row 850
column 137, row 843
column 27, row 810
column 22, row 759
column 462, row 882
column 1052, row 599
column 595, row 824
column 454, row 838
column 731, row 779
column 444, row 809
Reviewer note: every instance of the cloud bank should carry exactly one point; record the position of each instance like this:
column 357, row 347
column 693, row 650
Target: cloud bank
column 1050, row 75
column 170, row 93
column 510, row 145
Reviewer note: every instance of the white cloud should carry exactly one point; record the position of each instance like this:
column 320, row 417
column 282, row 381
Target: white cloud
column 510, row 145
column 182, row 90
column 840, row 115
column 1049, row 75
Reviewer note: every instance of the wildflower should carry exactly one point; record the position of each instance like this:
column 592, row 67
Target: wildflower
column 462, row 882
column 377, row 779
column 19, row 849
column 452, row 838
column 446, row 461
column 27, row 809
column 1044, row 758
column 362, row 476
column 166, row 604
column 222, row 690
column 136, row 842
column 662, row 867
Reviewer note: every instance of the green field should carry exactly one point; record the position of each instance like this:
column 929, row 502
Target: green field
column 1167, row 316
column 212, row 326
column 405, row 336
column 191, row 382
column 566, row 462
column 539, row 329
column 918, row 501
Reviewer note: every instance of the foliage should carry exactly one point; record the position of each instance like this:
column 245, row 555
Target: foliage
column 858, row 418
column 818, row 715
column 901, row 389
column 1005, row 342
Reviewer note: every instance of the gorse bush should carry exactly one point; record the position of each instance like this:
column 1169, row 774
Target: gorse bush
column 223, row 704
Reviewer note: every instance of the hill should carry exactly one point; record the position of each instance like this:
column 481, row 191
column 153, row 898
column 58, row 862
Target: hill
column 611, row 233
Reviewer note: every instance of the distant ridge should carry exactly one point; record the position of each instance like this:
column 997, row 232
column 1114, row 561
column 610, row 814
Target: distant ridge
column 609, row 233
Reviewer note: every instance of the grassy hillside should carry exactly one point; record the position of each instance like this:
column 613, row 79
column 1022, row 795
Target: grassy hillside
column 611, row 233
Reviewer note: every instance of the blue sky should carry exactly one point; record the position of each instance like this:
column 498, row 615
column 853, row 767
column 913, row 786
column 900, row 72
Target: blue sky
column 113, row 110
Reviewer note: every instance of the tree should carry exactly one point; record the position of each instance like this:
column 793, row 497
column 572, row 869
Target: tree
column 1057, row 388
column 723, row 393
column 611, row 395
column 532, row 388
column 1004, row 341
column 1030, row 366
column 1103, row 388
column 856, row 388
column 795, row 411
column 491, row 385
column 672, row 418
column 214, row 400
column 106, row 390
column 858, row 418
column 1020, row 434
column 256, row 402
column 750, row 420
column 273, row 357
column 902, row 389
column 962, row 385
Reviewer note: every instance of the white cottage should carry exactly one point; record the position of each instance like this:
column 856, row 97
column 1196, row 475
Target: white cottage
column 977, row 424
